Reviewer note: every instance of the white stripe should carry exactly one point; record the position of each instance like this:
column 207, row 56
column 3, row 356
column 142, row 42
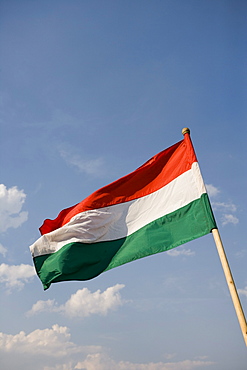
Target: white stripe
column 121, row 220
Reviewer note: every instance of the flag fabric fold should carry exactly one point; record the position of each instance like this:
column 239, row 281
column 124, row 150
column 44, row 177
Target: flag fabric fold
column 159, row 206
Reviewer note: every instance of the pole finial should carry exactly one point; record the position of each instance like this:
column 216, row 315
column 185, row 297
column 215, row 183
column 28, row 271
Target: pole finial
column 185, row 130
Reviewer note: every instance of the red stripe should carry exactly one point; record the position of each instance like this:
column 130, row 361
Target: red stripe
column 151, row 176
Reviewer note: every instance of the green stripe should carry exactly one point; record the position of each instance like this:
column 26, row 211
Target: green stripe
column 81, row 261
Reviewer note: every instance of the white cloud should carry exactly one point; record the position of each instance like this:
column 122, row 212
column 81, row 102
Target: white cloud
column 225, row 208
column 212, row 190
column 230, row 207
column 241, row 253
column 43, row 306
column 83, row 303
column 52, row 349
column 229, row 219
column 169, row 356
column 11, row 202
column 42, row 349
column 93, row 303
column 100, row 361
column 14, row 276
column 48, row 342
column 243, row 291
column 68, row 366
column 88, row 166
column 180, row 252
column 3, row 250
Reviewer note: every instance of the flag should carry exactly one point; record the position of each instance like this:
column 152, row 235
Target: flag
column 159, row 206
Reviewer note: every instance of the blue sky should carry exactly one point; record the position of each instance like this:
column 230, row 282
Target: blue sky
column 89, row 91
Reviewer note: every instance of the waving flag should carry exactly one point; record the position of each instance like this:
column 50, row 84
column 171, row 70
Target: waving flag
column 159, row 206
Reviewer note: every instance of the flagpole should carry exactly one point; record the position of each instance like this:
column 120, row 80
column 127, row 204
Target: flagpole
column 228, row 274
column 231, row 284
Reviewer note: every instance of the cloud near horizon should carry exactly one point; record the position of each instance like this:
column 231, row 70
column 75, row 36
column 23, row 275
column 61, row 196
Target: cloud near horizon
column 52, row 349
column 42, row 349
column 101, row 361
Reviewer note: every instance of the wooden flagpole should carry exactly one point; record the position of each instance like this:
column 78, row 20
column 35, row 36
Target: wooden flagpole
column 228, row 274
column 231, row 284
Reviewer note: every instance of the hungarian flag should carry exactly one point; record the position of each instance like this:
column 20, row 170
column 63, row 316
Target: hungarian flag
column 159, row 206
